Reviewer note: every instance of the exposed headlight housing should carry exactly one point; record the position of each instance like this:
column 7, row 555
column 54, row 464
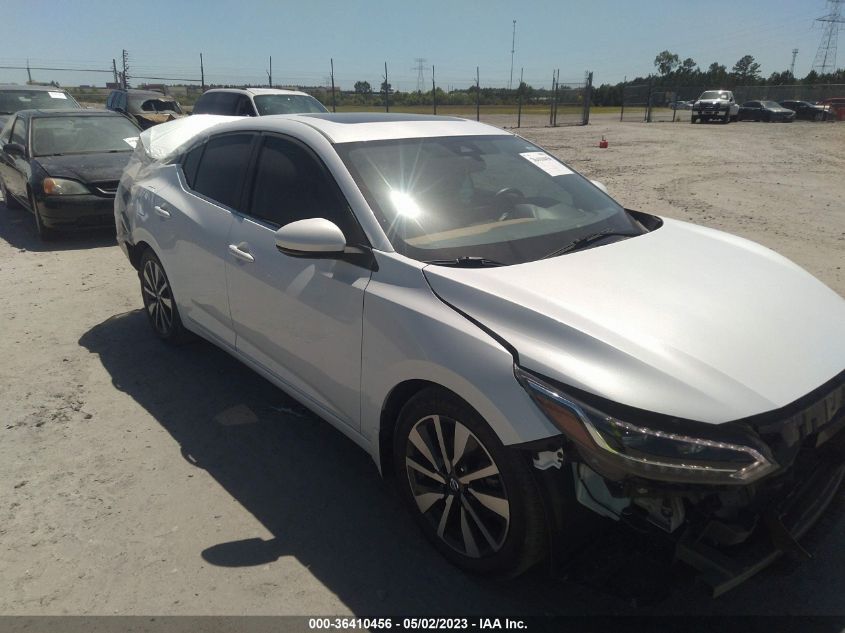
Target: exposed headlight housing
column 63, row 187
column 611, row 444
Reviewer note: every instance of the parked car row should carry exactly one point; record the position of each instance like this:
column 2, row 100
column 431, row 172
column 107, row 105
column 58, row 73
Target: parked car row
column 720, row 105
column 63, row 163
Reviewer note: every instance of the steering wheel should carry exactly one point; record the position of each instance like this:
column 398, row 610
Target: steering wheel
column 507, row 196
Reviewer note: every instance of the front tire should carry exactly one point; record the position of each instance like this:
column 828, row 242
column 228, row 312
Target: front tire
column 8, row 200
column 473, row 498
column 45, row 233
column 159, row 303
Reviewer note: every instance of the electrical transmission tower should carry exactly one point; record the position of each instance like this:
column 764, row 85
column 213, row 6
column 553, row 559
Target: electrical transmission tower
column 420, row 68
column 792, row 65
column 825, row 61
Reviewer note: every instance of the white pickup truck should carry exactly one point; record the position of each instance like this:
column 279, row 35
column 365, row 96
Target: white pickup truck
column 717, row 105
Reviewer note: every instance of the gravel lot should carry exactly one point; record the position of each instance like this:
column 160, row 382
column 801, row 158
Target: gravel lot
column 141, row 479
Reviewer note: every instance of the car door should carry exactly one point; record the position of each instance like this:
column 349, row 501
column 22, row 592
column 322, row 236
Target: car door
column 299, row 319
column 197, row 213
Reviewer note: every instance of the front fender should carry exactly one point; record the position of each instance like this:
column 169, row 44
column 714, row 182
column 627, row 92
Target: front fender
column 410, row 334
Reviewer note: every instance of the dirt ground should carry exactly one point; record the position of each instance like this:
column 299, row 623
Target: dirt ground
column 141, row 479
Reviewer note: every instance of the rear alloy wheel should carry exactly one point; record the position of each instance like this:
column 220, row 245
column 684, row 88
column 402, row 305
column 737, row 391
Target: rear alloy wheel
column 472, row 497
column 8, row 200
column 159, row 304
column 46, row 234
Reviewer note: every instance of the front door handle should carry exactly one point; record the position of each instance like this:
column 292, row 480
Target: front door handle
column 161, row 211
column 241, row 254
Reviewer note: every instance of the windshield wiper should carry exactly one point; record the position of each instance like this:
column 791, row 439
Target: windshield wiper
column 465, row 262
column 584, row 241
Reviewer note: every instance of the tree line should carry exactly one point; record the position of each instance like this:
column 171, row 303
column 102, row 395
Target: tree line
column 674, row 72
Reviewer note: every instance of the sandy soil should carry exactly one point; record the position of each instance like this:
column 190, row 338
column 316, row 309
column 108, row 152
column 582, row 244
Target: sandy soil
column 141, row 479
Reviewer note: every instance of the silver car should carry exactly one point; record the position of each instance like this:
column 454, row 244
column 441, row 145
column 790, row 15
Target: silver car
column 512, row 346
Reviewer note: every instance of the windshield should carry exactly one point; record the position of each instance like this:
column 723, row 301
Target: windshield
column 82, row 135
column 771, row 104
column 13, row 100
column 287, row 104
column 496, row 197
column 715, row 94
column 154, row 104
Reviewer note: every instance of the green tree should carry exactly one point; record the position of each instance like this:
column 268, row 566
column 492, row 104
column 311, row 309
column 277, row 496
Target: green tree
column 666, row 62
column 746, row 70
column 363, row 87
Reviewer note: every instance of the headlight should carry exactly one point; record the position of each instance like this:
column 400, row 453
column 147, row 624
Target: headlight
column 63, row 187
column 643, row 451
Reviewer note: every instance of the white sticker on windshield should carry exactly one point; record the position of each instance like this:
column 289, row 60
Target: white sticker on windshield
column 57, row 95
column 132, row 140
column 547, row 163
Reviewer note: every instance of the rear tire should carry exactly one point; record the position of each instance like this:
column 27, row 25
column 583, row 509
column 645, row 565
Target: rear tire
column 159, row 303
column 473, row 498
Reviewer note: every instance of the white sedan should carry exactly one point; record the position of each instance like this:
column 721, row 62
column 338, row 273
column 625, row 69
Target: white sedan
column 509, row 343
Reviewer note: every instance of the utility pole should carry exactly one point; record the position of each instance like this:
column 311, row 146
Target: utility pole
column 386, row 90
column 519, row 106
column 433, row 91
column 334, row 102
column 202, row 74
column 114, row 69
column 513, row 49
column 792, row 65
column 28, row 72
column 125, row 69
column 477, row 96
column 270, row 72
column 825, row 61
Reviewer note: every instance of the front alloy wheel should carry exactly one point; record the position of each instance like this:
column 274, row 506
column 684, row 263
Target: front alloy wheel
column 474, row 498
column 457, row 486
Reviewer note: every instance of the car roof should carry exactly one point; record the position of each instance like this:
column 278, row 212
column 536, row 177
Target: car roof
column 32, row 88
column 368, row 126
column 259, row 91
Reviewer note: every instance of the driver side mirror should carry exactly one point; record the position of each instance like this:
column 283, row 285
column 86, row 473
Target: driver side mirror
column 314, row 237
column 14, row 149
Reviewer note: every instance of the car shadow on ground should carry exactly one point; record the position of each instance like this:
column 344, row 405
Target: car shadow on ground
column 17, row 227
column 323, row 501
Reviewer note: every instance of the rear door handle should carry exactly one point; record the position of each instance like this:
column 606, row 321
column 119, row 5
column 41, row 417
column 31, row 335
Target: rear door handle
column 243, row 255
column 161, row 211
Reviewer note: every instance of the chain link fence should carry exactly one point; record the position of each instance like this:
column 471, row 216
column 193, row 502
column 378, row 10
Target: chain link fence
column 650, row 103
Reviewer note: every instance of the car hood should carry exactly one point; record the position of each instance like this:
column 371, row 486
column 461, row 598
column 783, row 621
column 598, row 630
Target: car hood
column 712, row 101
column 86, row 167
column 684, row 321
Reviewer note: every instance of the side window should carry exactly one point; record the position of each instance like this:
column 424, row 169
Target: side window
column 19, row 132
column 244, row 106
column 190, row 162
column 205, row 103
column 109, row 101
column 221, row 171
column 291, row 184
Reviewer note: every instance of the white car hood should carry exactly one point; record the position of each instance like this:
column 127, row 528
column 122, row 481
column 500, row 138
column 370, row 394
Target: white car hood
column 684, row 321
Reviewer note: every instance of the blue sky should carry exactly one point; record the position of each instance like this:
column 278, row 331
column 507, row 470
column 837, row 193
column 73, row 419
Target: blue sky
column 613, row 38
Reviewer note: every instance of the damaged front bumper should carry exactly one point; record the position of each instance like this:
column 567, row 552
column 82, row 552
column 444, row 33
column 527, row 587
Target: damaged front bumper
column 727, row 531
